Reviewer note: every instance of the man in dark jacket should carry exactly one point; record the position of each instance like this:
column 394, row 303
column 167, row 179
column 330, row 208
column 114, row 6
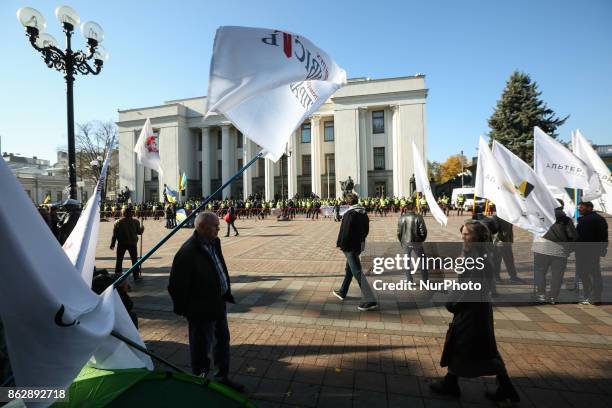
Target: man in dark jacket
column 503, row 244
column 69, row 219
column 200, row 286
column 354, row 229
column 592, row 245
column 125, row 233
column 411, row 233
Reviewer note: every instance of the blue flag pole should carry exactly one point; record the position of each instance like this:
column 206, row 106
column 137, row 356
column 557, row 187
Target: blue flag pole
column 151, row 251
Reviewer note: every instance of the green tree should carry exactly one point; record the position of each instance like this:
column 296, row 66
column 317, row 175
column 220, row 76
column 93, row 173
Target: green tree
column 518, row 111
column 433, row 170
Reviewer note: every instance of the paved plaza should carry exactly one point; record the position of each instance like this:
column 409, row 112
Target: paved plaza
column 294, row 344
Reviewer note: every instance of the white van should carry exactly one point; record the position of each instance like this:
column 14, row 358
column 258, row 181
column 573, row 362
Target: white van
column 468, row 193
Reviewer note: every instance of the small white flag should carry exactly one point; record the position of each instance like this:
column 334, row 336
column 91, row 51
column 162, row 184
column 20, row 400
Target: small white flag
column 560, row 167
column 422, row 185
column 493, row 183
column 538, row 202
column 583, row 149
column 267, row 82
column 147, row 148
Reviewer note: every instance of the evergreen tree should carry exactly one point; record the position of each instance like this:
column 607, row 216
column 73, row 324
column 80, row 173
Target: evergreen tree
column 518, row 111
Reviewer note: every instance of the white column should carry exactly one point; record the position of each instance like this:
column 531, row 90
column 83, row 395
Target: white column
column 247, row 177
column 315, row 155
column 269, row 180
column 395, row 150
column 226, row 165
column 206, row 163
column 362, row 156
column 292, row 166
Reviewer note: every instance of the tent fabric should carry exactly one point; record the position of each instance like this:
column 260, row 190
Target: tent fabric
column 139, row 387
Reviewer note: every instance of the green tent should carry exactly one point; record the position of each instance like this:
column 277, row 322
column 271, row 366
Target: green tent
column 142, row 388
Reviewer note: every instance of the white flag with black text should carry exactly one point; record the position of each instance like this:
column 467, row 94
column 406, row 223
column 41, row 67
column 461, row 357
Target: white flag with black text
column 583, row 149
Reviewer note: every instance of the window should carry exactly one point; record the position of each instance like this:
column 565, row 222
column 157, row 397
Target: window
column 219, row 169
column 379, row 158
column 199, row 136
column 239, row 164
column 378, row 122
column 239, row 140
column 154, row 175
column 380, row 188
column 261, row 164
column 219, row 139
column 306, row 165
column 306, row 133
column 200, row 170
column 330, row 164
column 328, row 135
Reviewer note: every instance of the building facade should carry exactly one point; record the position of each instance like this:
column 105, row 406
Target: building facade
column 365, row 131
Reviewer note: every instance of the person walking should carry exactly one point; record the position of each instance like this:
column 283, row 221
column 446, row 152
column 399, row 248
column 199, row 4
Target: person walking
column 411, row 233
column 125, row 235
column 199, row 286
column 354, row 229
column 503, row 244
column 550, row 252
column 470, row 349
column 592, row 245
column 230, row 218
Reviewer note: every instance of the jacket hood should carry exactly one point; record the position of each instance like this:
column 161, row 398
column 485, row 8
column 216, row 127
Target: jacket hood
column 359, row 208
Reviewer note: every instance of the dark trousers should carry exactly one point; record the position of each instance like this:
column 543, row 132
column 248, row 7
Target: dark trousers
column 415, row 250
column 541, row 264
column 206, row 336
column 233, row 226
column 504, row 251
column 133, row 251
column 588, row 269
column 353, row 269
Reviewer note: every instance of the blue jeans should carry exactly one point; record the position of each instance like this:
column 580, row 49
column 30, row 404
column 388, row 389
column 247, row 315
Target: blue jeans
column 353, row 269
column 206, row 336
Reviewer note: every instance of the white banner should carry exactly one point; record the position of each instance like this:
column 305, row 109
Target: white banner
column 328, row 210
column 583, row 149
column 53, row 321
column 538, row 202
column 81, row 250
column 267, row 82
column 493, row 183
column 422, row 185
column 147, row 149
column 560, row 167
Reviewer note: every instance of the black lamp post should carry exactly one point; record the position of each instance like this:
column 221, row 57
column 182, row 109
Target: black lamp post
column 68, row 61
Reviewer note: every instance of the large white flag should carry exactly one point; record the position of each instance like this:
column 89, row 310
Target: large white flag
column 81, row 250
column 560, row 167
column 147, row 148
column 268, row 81
column 493, row 183
column 538, row 202
column 583, row 149
column 53, row 321
column 422, row 185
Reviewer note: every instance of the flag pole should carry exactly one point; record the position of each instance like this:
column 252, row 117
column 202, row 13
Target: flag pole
column 146, row 256
column 142, row 209
column 138, row 347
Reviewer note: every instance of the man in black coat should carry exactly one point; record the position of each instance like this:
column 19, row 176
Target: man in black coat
column 200, row 286
column 592, row 245
column 351, row 240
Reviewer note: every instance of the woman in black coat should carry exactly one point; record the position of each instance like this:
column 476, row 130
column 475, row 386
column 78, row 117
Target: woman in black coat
column 470, row 349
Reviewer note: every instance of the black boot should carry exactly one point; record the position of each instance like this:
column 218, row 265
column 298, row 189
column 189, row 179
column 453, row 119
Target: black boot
column 505, row 393
column 449, row 385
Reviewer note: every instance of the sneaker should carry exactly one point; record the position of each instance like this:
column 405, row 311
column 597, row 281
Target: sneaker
column 367, row 306
column 516, row 279
column 338, row 294
column 236, row 234
column 444, row 387
column 586, row 302
column 226, row 235
column 552, row 301
column 231, row 384
column 541, row 299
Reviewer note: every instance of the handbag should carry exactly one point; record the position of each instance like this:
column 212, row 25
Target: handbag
column 227, row 218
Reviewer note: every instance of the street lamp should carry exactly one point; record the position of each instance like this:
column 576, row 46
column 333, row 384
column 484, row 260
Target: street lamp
column 68, row 61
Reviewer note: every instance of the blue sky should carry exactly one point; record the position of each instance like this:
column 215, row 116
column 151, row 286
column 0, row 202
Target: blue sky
column 160, row 50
